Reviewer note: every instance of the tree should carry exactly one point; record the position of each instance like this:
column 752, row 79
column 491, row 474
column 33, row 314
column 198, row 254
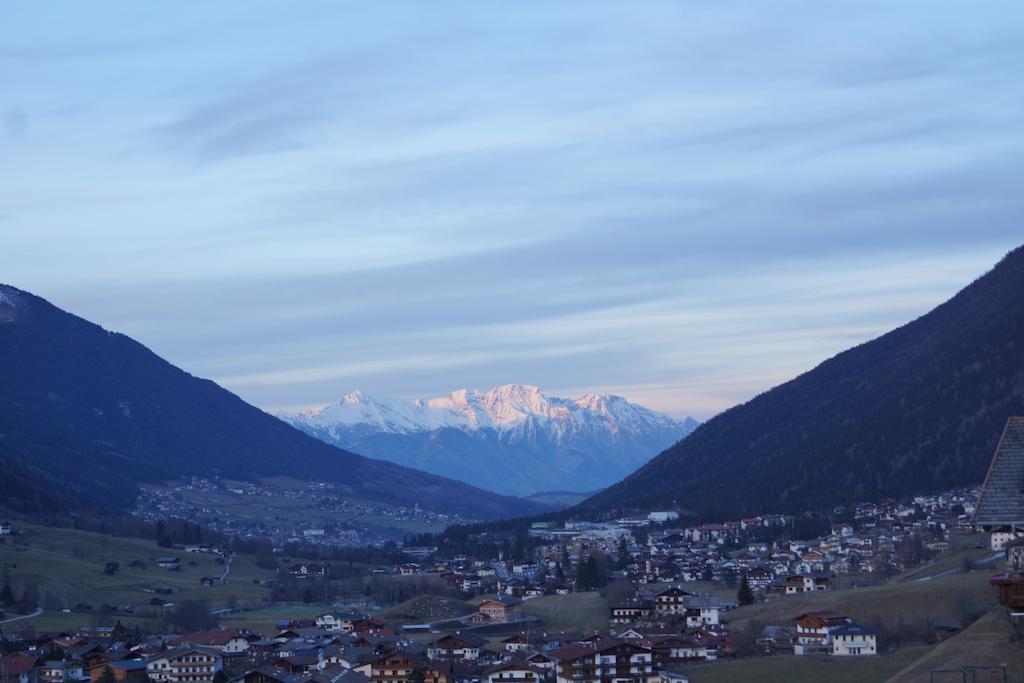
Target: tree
column 745, row 596
column 623, row 553
column 107, row 676
column 6, row 595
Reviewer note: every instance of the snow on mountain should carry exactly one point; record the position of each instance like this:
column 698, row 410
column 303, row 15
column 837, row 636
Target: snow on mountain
column 512, row 438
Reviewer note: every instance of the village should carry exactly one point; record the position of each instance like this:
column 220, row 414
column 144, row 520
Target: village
column 668, row 588
column 284, row 512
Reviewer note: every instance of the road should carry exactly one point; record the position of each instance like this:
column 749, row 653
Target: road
column 39, row 610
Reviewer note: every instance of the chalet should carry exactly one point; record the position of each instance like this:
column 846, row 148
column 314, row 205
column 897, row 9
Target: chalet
column 187, row 664
column 852, row 640
column 5, row 529
column 396, row 667
column 541, row 661
column 1000, row 511
column 669, row 650
column 517, row 643
column 628, row 612
column 608, row 660
column 670, row 601
column 701, row 610
column 499, row 609
column 172, row 564
column 454, row 646
column 126, row 670
column 814, row 631
column 228, row 641
column 512, row 672
column 19, row 668
column 804, row 583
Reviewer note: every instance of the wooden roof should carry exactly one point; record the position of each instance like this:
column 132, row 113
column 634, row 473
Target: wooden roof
column 1002, row 497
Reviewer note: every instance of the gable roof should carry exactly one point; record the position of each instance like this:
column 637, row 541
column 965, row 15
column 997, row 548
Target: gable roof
column 1002, row 496
column 17, row 664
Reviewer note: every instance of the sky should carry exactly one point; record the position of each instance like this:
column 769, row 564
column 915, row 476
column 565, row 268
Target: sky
column 684, row 203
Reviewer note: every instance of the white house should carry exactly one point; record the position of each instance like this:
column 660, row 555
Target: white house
column 853, row 639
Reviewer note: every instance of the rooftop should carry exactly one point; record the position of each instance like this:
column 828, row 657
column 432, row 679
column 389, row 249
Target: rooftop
column 1002, row 496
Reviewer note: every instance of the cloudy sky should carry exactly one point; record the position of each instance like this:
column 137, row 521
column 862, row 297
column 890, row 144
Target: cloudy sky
column 681, row 202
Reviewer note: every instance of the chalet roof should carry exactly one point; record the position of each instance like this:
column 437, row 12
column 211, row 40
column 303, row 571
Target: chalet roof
column 458, row 639
column 217, row 637
column 854, row 630
column 1002, row 496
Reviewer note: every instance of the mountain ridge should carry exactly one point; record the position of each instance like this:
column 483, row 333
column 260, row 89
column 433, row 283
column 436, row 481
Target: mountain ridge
column 917, row 409
column 87, row 414
column 512, row 438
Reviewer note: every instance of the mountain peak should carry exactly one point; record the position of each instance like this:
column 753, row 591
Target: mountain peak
column 535, row 441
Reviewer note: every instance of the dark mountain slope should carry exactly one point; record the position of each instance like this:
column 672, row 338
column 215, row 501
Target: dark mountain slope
column 918, row 409
column 86, row 414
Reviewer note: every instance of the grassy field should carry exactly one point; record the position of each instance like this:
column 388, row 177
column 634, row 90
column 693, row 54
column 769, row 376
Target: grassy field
column 791, row 669
column 897, row 605
column 65, row 567
column 574, row 612
column 987, row 642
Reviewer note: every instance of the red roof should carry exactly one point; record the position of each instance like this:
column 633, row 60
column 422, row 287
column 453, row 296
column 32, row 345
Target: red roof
column 217, row 637
column 15, row 665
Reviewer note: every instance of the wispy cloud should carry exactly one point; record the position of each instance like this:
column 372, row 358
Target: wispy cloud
column 683, row 202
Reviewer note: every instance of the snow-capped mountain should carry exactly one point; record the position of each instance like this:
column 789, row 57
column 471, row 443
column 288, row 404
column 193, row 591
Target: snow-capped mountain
column 511, row 439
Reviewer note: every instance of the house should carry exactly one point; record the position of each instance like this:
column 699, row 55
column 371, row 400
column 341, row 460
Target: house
column 516, row 643
column 670, row 601
column 19, row 668
column 607, row 660
column 499, row 609
column 186, row 664
column 814, row 631
column 460, row 647
column 701, row 610
column 306, row 570
column 853, row 639
column 61, row 671
column 775, row 639
column 343, row 622
column 124, row 670
column 172, row 564
column 5, row 529
column 228, row 641
column 628, row 612
column 396, row 667
column 512, row 672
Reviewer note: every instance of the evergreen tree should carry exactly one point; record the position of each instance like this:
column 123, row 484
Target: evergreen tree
column 745, row 596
